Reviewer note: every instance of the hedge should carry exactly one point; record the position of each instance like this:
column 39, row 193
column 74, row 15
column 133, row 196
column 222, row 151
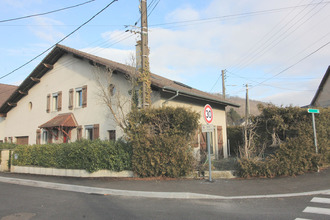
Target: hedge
column 7, row 146
column 89, row 155
column 160, row 139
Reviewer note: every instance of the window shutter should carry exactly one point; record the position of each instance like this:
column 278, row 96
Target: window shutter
column 70, row 99
column 96, row 131
column 79, row 133
column 38, row 136
column 48, row 103
column 84, row 96
column 59, row 101
column 50, row 137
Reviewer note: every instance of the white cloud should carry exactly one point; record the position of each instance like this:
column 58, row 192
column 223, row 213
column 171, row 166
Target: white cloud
column 117, row 55
column 182, row 14
column 47, row 33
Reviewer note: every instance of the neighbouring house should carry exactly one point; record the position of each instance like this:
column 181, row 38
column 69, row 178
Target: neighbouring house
column 5, row 93
column 322, row 95
column 64, row 100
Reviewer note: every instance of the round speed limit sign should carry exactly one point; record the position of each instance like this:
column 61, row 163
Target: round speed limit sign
column 208, row 113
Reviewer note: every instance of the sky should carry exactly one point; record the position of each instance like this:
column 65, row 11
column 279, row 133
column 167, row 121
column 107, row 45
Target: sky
column 279, row 48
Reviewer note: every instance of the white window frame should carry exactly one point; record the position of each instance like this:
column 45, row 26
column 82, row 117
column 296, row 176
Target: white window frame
column 54, row 101
column 44, row 137
column 89, row 132
column 78, row 98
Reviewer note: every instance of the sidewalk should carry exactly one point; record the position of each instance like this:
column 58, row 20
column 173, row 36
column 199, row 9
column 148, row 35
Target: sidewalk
column 222, row 188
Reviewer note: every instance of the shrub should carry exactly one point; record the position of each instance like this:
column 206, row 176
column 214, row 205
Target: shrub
column 88, row 155
column 7, row 146
column 236, row 138
column 296, row 151
column 160, row 141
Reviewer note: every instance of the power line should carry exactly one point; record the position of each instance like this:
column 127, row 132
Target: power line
column 277, row 40
column 59, row 41
column 153, row 8
column 237, row 15
column 45, row 13
column 255, row 48
column 289, row 67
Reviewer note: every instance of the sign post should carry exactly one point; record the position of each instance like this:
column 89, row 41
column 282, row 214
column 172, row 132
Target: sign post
column 314, row 111
column 208, row 116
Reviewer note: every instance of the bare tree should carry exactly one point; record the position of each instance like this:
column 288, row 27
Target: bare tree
column 110, row 94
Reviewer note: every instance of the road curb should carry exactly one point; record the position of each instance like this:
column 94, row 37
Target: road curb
column 146, row 194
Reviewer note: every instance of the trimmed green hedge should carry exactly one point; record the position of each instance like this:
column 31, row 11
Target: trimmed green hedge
column 7, row 146
column 89, row 155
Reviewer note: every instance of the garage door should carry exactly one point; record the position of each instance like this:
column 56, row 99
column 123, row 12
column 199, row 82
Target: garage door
column 22, row 140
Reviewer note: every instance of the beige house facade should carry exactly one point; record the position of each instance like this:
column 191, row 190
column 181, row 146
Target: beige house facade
column 68, row 95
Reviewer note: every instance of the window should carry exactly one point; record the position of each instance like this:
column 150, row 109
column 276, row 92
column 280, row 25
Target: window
column 79, row 98
column 45, row 137
column 54, row 101
column 92, row 132
column 112, row 135
column 89, row 132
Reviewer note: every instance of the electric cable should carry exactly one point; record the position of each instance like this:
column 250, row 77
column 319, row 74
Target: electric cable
column 59, row 40
column 46, row 13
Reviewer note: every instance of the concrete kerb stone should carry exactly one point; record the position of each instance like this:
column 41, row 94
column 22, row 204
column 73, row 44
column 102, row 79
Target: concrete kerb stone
column 146, row 194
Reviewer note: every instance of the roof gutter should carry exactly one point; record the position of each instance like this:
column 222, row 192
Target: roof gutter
column 173, row 97
column 200, row 97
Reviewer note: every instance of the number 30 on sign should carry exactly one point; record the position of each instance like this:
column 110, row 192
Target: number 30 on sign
column 208, row 113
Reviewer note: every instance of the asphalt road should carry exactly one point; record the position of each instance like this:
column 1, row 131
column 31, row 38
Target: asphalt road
column 23, row 202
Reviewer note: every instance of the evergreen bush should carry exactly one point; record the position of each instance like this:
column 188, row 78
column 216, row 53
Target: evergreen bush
column 89, row 155
column 160, row 139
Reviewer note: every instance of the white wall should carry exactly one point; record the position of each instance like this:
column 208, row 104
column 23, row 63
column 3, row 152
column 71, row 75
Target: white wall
column 68, row 73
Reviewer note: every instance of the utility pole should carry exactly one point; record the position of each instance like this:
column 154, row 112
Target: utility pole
column 145, row 73
column 223, row 84
column 247, row 112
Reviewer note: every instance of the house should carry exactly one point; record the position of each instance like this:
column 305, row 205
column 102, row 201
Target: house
column 68, row 96
column 322, row 95
column 5, row 92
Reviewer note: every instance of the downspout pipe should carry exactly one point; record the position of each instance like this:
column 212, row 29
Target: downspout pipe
column 173, row 97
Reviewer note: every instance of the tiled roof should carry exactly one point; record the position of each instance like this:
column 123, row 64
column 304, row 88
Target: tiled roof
column 156, row 80
column 62, row 120
column 5, row 92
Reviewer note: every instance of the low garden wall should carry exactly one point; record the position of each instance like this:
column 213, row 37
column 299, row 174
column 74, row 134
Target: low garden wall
column 69, row 172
